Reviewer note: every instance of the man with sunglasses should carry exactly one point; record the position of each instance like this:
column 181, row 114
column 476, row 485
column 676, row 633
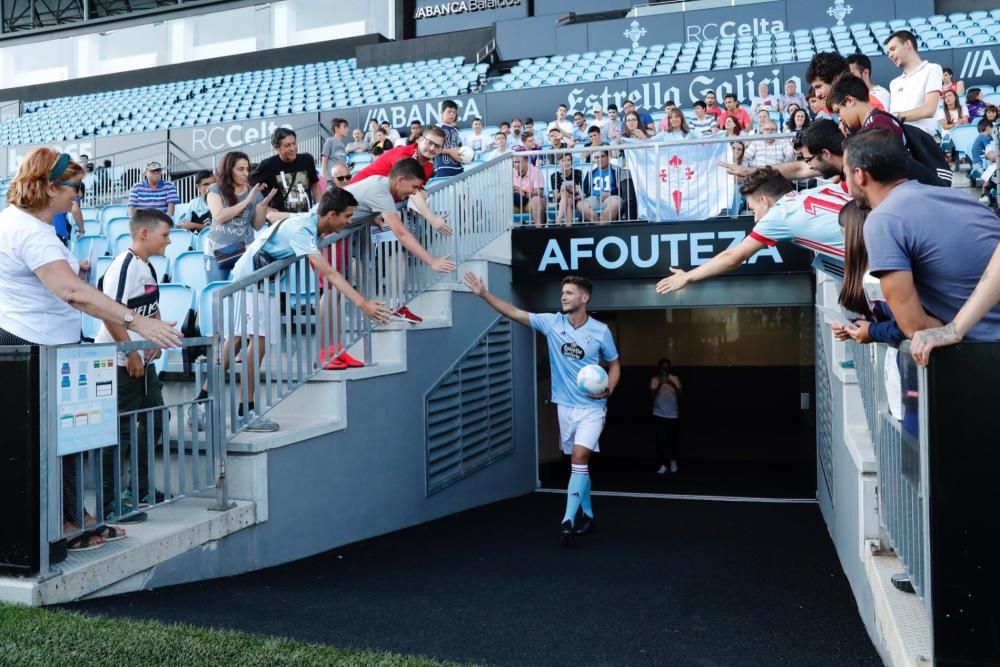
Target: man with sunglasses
column 341, row 175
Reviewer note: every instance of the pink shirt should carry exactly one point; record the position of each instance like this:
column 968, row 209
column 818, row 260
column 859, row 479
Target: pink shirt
column 531, row 181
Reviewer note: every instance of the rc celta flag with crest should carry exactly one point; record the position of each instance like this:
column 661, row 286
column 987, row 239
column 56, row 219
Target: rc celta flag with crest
column 681, row 180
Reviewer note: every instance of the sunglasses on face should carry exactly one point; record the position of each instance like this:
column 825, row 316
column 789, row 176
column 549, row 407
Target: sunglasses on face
column 341, row 178
column 76, row 185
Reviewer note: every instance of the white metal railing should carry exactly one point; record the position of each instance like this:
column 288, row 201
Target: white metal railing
column 306, row 322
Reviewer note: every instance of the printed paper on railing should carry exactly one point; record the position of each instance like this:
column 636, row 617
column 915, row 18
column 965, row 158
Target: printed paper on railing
column 685, row 183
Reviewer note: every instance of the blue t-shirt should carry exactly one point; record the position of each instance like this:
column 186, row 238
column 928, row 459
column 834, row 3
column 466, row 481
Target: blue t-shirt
column 979, row 149
column 601, row 180
column 570, row 350
column 445, row 165
column 61, row 223
column 945, row 238
column 295, row 237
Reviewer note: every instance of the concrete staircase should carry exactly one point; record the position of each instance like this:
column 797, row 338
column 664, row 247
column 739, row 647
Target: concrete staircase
column 187, row 525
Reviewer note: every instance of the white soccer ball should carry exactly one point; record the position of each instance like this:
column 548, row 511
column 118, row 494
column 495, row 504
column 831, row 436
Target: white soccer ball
column 468, row 155
column 592, row 379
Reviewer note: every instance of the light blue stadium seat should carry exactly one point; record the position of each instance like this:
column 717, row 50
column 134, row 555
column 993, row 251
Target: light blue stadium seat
column 206, row 323
column 116, row 226
column 120, row 244
column 113, row 211
column 101, row 267
column 962, row 138
column 89, row 246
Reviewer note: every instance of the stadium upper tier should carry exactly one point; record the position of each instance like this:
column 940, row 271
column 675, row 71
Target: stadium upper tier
column 280, row 91
column 934, row 32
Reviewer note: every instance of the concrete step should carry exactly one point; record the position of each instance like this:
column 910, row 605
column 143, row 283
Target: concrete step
column 123, row 566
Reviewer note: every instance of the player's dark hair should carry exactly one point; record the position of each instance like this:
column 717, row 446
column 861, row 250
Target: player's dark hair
column 449, row 104
column 699, row 103
column 861, row 60
column 224, row 176
column 732, row 95
column 984, row 124
column 852, row 221
column 879, row 153
column 409, row 169
column 822, row 134
column 337, row 122
column 280, row 134
column 612, row 106
column 202, row 175
column 581, row 282
column 847, row 86
column 336, row 200
column 147, row 218
column 767, row 182
column 903, row 36
column 592, row 129
column 825, row 67
column 947, row 70
column 563, row 106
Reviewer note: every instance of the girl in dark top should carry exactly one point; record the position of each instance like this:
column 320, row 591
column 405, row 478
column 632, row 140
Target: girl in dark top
column 797, row 120
column 382, row 144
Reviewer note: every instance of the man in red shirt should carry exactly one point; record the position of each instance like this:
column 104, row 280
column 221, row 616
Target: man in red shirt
column 734, row 109
column 424, row 150
column 711, row 108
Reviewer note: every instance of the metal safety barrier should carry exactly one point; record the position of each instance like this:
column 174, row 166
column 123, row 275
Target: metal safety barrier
column 655, row 180
column 159, row 456
column 901, row 461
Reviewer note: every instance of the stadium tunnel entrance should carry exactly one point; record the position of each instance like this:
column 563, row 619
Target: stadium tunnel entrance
column 743, row 349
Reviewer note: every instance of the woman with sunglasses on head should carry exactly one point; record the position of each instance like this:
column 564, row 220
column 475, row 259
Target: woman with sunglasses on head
column 42, row 295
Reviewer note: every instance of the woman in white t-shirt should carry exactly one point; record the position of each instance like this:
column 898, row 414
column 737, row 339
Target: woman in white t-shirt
column 951, row 114
column 42, row 293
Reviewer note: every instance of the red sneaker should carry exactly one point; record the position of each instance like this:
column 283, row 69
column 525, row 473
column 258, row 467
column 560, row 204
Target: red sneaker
column 335, row 365
column 331, row 352
column 349, row 361
column 404, row 314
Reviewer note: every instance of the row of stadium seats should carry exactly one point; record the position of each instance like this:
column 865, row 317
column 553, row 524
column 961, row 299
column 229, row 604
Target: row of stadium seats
column 280, row 91
column 935, row 32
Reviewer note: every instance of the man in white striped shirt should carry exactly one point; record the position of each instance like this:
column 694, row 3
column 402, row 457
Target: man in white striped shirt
column 702, row 125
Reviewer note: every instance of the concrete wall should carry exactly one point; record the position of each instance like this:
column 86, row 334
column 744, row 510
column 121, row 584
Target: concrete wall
column 370, row 478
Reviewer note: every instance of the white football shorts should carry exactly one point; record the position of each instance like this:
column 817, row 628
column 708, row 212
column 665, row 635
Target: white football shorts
column 580, row 426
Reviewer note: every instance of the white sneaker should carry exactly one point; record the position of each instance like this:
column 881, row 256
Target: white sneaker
column 196, row 417
column 673, row 466
column 985, row 199
column 255, row 424
column 662, row 470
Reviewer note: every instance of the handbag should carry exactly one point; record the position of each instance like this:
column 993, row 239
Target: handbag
column 262, row 257
column 228, row 255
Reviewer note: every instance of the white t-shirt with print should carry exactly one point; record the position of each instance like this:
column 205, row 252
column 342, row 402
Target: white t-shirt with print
column 130, row 281
column 27, row 308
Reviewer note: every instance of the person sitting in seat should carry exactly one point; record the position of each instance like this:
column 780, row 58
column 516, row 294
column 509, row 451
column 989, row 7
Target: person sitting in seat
column 529, row 188
column 602, row 200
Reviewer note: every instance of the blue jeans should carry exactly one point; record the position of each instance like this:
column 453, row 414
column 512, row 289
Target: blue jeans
column 213, row 271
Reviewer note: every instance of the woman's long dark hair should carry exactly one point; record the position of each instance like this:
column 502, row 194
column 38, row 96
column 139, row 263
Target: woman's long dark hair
column 852, row 221
column 224, row 177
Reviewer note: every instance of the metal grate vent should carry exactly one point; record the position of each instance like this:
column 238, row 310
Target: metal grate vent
column 824, row 410
column 470, row 411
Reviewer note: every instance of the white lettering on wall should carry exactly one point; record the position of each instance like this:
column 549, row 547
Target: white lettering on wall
column 16, row 154
column 612, row 252
column 757, row 26
column 214, row 139
column 452, row 8
column 426, row 113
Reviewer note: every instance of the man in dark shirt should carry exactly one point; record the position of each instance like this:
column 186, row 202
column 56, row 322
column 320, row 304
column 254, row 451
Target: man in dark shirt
column 291, row 173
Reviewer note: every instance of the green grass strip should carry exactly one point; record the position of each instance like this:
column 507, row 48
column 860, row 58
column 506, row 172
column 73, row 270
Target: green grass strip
column 43, row 638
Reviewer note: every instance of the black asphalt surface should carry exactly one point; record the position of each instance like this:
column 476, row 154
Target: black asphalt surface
column 660, row 582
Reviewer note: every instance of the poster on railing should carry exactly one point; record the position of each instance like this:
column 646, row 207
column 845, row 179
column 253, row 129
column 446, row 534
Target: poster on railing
column 681, row 181
column 86, row 398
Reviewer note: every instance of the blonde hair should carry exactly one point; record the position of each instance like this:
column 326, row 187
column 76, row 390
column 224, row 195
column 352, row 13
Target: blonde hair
column 28, row 190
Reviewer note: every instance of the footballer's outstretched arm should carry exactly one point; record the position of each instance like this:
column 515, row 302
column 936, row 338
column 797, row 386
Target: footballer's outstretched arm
column 505, row 308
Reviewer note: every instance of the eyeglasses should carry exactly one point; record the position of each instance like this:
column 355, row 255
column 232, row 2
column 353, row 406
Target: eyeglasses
column 435, row 144
column 808, row 159
column 76, row 185
column 342, row 178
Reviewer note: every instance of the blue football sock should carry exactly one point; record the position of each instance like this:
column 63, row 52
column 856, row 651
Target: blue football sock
column 574, row 491
column 585, row 498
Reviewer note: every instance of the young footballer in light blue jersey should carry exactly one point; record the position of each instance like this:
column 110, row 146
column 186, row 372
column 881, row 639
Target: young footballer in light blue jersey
column 575, row 339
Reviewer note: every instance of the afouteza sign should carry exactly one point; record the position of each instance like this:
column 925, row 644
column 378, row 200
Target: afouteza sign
column 641, row 250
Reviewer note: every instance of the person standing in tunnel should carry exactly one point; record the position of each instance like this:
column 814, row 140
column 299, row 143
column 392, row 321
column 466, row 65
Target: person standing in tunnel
column 665, row 388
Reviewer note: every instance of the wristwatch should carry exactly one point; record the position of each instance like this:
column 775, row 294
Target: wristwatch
column 128, row 318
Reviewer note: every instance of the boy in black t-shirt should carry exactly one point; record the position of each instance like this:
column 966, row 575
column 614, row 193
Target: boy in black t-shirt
column 293, row 174
column 566, row 185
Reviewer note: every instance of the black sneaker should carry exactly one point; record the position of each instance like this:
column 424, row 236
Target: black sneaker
column 584, row 524
column 566, row 533
column 158, row 498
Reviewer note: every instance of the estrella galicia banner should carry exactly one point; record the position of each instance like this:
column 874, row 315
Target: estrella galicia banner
column 641, row 250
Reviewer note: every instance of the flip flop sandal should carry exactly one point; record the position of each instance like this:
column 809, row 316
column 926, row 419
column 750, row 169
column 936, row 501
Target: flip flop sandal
column 83, row 543
column 109, row 533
